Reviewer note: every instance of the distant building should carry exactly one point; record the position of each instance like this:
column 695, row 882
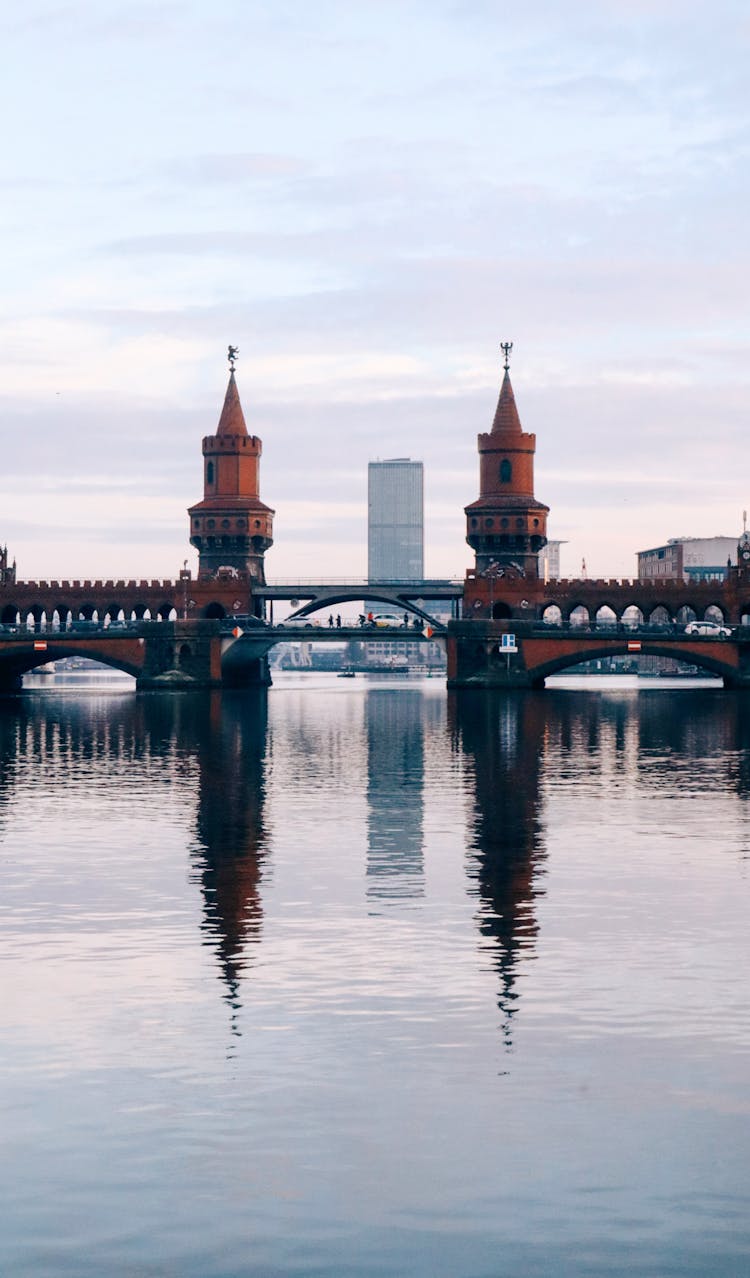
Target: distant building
column 398, row 653
column 395, row 520
column 689, row 559
column 395, row 549
column 549, row 561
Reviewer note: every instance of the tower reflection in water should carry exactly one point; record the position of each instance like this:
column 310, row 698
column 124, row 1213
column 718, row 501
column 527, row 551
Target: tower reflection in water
column 569, row 747
column 501, row 739
column 229, row 735
column 395, row 795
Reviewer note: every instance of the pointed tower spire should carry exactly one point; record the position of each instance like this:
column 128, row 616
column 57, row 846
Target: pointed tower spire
column 232, row 420
column 506, row 414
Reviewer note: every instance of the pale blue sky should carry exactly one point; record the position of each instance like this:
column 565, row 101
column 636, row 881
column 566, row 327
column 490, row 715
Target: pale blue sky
column 367, row 198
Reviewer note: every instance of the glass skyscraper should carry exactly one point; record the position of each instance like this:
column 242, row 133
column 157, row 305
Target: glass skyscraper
column 395, row 520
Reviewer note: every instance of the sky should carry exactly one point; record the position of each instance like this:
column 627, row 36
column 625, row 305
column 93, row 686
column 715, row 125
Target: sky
column 367, row 199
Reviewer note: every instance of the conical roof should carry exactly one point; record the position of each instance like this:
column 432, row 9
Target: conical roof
column 232, row 420
column 506, row 413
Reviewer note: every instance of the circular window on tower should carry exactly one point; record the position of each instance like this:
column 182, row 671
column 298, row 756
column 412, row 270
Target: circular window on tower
column 225, row 523
column 474, row 523
column 489, row 523
column 503, row 522
column 211, row 523
column 519, row 523
column 242, row 523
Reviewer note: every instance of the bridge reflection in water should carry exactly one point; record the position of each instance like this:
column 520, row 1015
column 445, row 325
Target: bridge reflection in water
column 400, row 753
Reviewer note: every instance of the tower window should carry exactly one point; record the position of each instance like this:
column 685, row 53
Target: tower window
column 506, row 471
column 489, row 522
column 209, row 472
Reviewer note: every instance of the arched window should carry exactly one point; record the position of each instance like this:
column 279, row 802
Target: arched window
column 209, row 472
column 506, row 471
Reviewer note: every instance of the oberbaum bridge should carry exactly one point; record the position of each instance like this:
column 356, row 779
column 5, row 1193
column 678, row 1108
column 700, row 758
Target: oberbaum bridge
column 510, row 628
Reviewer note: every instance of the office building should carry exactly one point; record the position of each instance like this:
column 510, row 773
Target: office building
column 689, row 559
column 395, row 520
column 549, row 561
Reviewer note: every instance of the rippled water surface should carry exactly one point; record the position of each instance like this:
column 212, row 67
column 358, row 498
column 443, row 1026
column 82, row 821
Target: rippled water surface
column 360, row 979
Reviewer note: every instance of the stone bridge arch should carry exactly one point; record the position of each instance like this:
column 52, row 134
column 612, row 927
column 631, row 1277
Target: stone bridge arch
column 19, row 659
column 715, row 659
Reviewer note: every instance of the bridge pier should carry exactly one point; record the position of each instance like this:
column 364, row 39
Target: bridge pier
column 476, row 658
column 190, row 654
column 182, row 654
column 10, row 681
column 252, row 674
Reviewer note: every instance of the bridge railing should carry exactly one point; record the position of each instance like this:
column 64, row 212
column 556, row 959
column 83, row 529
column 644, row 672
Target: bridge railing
column 623, row 627
column 365, row 582
column 95, row 586
column 80, row 626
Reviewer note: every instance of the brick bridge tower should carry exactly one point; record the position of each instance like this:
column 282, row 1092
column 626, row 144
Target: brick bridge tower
column 7, row 571
column 506, row 527
column 231, row 527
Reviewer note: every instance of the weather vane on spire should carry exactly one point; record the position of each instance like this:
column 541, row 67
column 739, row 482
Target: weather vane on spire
column 232, row 353
column 506, row 348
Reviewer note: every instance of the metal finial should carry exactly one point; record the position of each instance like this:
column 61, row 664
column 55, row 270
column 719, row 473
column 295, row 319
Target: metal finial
column 506, row 348
column 744, row 521
column 232, row 353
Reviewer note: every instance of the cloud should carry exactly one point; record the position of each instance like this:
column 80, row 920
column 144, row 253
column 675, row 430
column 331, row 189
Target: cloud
column 391, row 192
column 233, row 168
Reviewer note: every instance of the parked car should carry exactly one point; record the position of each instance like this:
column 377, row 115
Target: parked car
column 712, row 629
column 385, row 619
column 305, row 623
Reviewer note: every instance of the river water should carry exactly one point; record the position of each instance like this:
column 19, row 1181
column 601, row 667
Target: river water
column 358, row 979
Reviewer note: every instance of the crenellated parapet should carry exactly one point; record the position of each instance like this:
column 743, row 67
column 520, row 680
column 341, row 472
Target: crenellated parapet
column 508, row 595
column 60, row 601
